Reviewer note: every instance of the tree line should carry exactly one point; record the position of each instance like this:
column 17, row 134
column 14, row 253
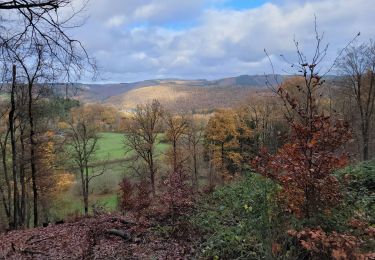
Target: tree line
column 35, row 53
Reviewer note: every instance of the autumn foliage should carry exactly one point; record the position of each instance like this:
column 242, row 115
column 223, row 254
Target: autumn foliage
column 174, row 200
column 126, row 196
column 177, row 197
column 333, row 245
column 135, row 197
column 304, row 166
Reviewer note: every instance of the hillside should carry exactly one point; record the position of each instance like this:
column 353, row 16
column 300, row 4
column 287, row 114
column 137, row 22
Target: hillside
column 182, row 95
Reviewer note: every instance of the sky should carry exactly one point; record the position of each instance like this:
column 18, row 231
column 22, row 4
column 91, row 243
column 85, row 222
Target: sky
column 134, row 40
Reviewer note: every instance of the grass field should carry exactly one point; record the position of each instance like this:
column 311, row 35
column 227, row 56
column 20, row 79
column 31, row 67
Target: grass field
column 104, row 188
column 69, row 204
column 111, row 147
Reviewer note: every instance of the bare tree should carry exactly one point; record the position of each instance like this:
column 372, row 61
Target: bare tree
column 305, row 166
column 141, row 136
column 194, row 140
column 5, row 186
column 176, row 129
column 11, row 117
column 34, row 40
column 358, row 69
column 24, row 4
column 83, row 139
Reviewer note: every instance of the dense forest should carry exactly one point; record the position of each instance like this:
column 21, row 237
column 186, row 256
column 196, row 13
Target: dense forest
column 286, row 171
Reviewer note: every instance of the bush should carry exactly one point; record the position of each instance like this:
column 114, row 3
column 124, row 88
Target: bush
column 176, row 200
column 359, row 185
column 322, row 245
column 346, row 232
column 241, row 220
column 246, row 220
column 135, row 197
column 126, row 195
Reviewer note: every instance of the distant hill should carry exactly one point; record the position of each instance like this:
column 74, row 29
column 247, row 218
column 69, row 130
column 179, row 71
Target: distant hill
column 258, row 81
column 100, row 92
column 176, row 93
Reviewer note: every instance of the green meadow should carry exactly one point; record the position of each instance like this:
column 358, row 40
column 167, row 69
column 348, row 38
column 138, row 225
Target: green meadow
column 111, row 147
column 110, row 157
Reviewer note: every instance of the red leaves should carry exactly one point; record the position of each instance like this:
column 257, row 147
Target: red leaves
column 304, row 166
column 276, row 248
column 174, row 199
column 135, row 197
column 177, row 197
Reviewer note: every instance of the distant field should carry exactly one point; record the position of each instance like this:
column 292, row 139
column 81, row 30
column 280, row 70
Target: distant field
column 111, row 147
column 103, row 188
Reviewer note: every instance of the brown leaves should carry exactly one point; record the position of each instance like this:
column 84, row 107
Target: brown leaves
column 135, row 197
column 79, row 240
column 276, row 248
column 126, row 194
column 177, row 197
column 90, row 238
column 174, row 199
column 304, row 166
column 335, row 245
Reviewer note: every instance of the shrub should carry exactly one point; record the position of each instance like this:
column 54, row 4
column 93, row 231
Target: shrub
column 143, row 198
column 177, row 196
column 305, row 166
column 358, row 185
column 135, row 197
column 347, row 231
column 240, row 220
column 126, row 195
column 322, row 245
column 104, row 185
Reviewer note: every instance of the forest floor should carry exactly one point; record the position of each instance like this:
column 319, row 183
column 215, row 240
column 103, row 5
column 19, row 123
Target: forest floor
column 99, row 237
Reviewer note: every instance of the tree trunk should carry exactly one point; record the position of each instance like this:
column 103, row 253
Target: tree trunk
column 196, row 185
column 152, row 172
column 83, row 185
column 14, row 149
column 175, row 156
column 365, row 143
column 32, row 154
column 6, row 201
column 86, row 193
column 152, row 176
column 22, row 180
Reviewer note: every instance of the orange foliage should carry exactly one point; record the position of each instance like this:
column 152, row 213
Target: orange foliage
column 64, row 181
column 46, row 163
column 305, row 165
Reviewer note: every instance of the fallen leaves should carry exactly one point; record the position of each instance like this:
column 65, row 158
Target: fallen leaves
column 91, row 238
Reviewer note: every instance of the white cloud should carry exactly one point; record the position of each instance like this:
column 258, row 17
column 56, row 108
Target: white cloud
column 144, row 39
column 116, row 20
